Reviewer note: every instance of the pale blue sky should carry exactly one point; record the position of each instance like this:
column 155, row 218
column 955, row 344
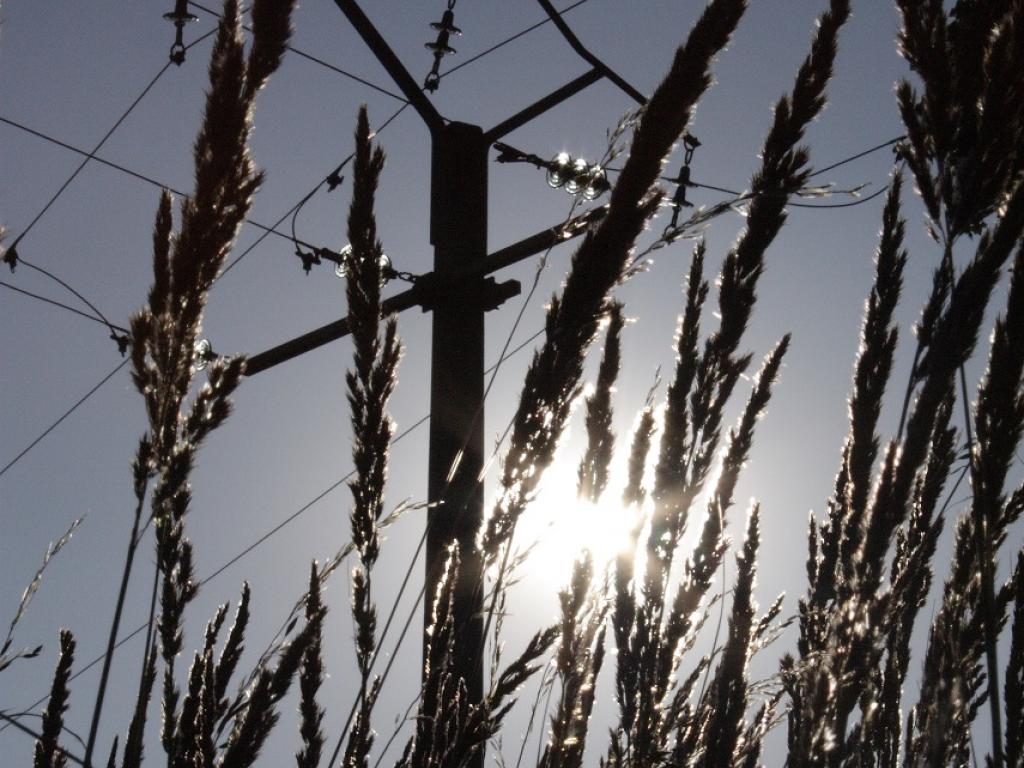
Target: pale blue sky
column 69, row 69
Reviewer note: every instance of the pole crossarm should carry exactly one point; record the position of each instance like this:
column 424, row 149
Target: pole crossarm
column 457, row 293
column 572, row 40
column 391, row 63
column 417, row 296
column 542, row 105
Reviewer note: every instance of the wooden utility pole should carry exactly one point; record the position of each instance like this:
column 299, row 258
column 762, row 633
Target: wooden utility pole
column 458, row 232
column 458, row 293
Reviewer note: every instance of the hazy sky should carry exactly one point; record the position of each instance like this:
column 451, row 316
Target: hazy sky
column 70, row 69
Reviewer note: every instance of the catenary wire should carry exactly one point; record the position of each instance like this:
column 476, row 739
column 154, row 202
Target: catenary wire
column 273, row 230
column 99, row 315
column 294, row 213
column 298, row 207
column 851, row 204
column 60, row 191
column 127, row 171
column 99, row 145
column 837, row 164
column 265, row 537
column 857, row 156
column 507, row 40
column 380, row 89
column 67, row 286
column 231, row 265
column 314, row 59
column 63, row 416
column 60, row 304
column 226, row 269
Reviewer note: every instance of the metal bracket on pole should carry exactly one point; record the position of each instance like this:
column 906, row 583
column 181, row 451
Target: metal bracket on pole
column 486, row 294
column 391, row 63
column 504, row 257
column 572, row 40
column 541, row 106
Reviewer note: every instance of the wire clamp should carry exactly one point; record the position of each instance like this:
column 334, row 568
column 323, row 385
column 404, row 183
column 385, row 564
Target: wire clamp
column 334, row 180
column 122, row 340
column 10, row 257
column 309, row 258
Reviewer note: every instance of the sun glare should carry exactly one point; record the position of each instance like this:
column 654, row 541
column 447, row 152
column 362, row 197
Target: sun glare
column 559, row 526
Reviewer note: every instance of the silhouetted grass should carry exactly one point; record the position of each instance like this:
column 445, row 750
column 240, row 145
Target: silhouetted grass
column 870, row 561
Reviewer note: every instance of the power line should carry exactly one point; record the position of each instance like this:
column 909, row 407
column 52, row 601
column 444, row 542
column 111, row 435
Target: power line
column 277, row 528
column 125, row 170
column 857, row 156
column 851, row 204
column 273, row 531
column 110, row 132
column 60, row 304
column 837, row 164
column 100, row 318
column 507, row 40
column 12, row 257
column 332, row 178
column 314, row 59
column 118, row 334
column 295, row 208
column 380, row 89
column 66, row 413
column 67, row 286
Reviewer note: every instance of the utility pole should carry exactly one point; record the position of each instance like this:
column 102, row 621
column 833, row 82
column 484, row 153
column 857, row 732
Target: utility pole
column 458, row 293
column 458, row 232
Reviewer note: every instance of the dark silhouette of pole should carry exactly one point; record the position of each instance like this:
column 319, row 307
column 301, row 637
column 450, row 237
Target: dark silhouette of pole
column 458, row 295
column 458, row 232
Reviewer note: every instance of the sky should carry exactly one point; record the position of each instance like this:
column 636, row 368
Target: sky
column 70, row 70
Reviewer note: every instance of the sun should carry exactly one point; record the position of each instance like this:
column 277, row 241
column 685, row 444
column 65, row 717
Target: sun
column 559, row 526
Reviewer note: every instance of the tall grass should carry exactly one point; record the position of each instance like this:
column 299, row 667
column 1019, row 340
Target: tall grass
column 840, row 690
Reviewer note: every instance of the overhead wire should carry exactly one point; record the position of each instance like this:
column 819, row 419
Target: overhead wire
column 837, row 164
column 333, row 180
column 295, row 208
column 125, row 170
column 512, row 38
column 271, row 532
column 315, row 59
column 71, row 289
column 121, row 339
column 60, row 304
column 857, row 156
column 63, row 416
column 67, row 182
column 234, row 262
column 268, row 230
column 850, row 204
